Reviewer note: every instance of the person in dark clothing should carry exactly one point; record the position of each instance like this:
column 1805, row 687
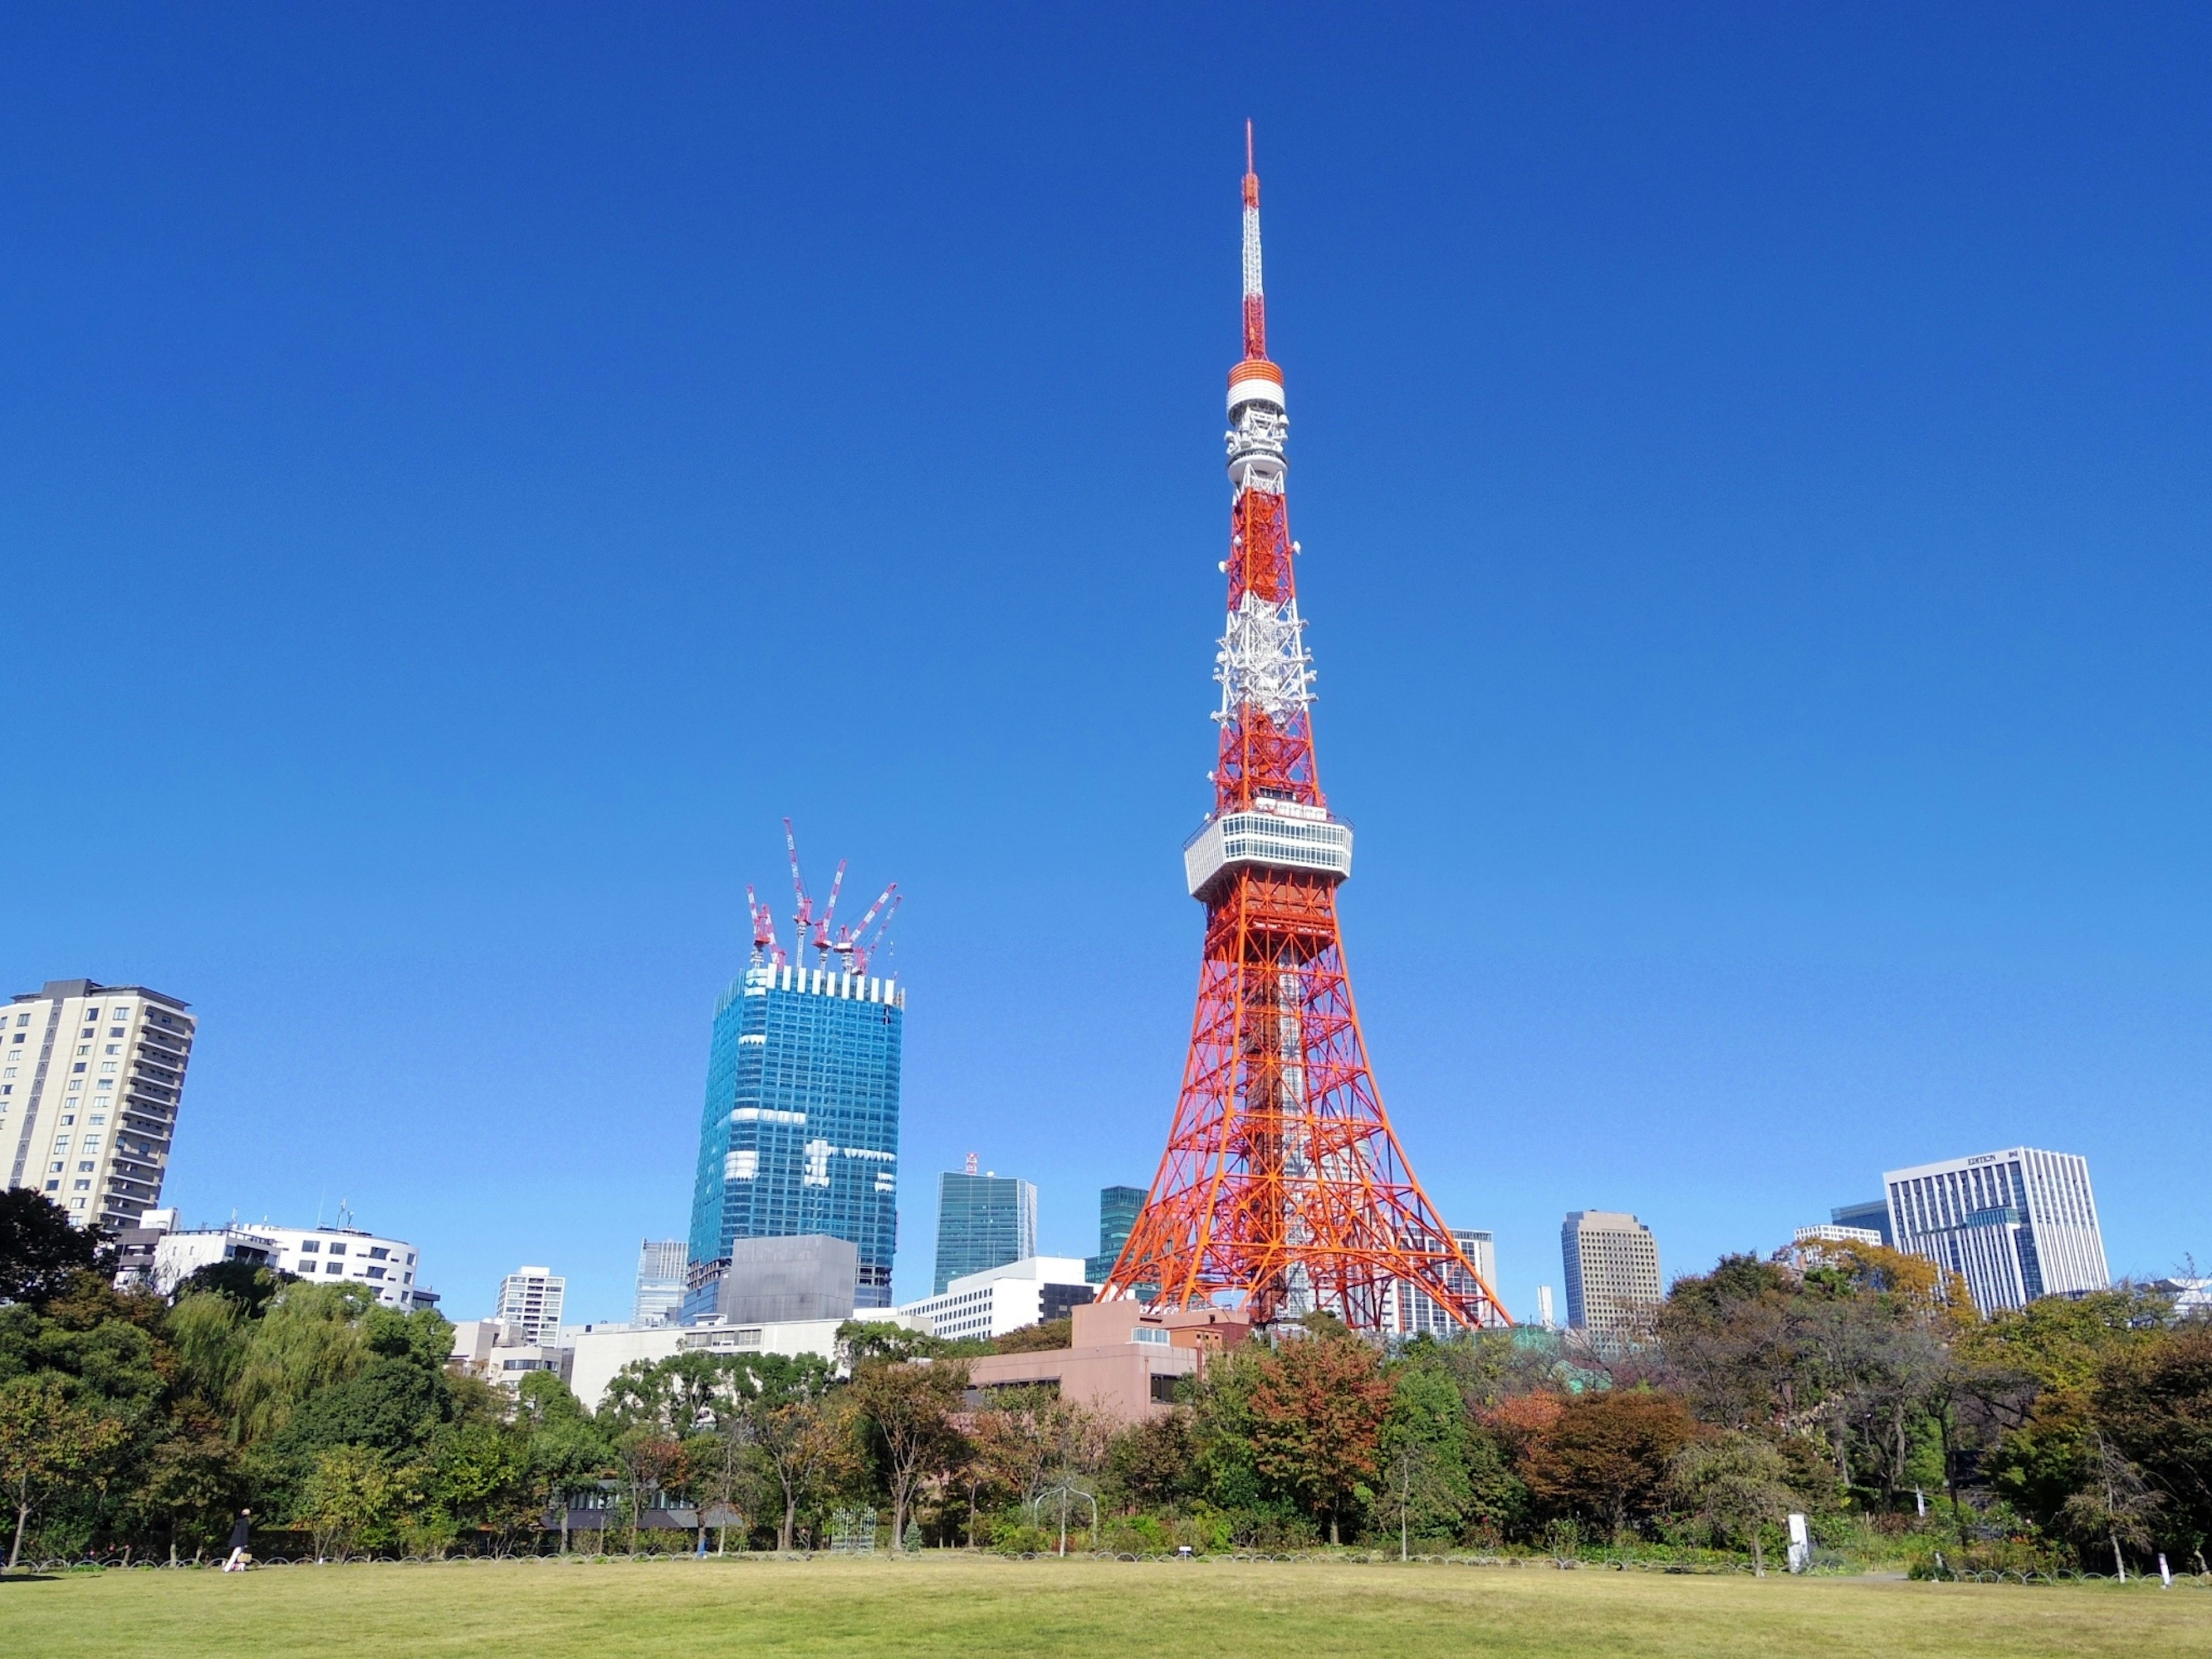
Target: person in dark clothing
column 238, row 1535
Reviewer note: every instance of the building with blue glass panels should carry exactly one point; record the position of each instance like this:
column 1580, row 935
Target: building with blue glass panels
column 800, row 1133
column 983, row 1221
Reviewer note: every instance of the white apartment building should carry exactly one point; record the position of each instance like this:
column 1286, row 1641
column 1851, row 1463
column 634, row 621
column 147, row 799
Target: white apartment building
column 1001, row 1300
column 1414, row 1310
column 90, row 1079
column 530, row 1300
column 2016, row 1225
column 600, row 1351
column 662, row 1264
column 328, row 1255
column 1612, row 1263
column 498, row 1353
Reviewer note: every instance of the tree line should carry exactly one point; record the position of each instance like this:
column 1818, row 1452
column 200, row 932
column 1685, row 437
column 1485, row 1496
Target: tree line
column 1858, row 1387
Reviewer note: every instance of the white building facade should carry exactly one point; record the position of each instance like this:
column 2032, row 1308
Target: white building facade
column 599, row 1352
column 91, row 1076
column 1000, row 1299
column 530, row 1301
column 328, row 1255
column 2016, row 1225
column 1414, row 1311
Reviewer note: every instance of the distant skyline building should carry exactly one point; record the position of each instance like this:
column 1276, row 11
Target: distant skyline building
column 1545, row 1318
column 91, row 1078
column 1872, row 1215
column 530, row 1301
column 1416, row 1311
column 1004, row 1297
column 2016, row 1225
column 660, row 1264
column 1612, row 1263
column 983, row 1221
column 1118, row 1207
column 800, row 1133
column 160, row 1253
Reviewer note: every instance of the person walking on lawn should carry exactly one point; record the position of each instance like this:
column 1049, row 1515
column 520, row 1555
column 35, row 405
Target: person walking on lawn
column 238, row 1532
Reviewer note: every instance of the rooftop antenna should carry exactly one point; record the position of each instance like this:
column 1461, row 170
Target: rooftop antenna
column 973, row 1162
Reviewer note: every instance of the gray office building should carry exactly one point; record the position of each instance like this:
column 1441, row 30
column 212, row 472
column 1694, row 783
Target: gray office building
column 773, row 1281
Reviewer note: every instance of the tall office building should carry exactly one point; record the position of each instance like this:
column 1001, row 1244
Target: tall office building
column 90, row 1078
column 983, row 1221
column 2016, row 1224
column 800, row 1129
column 660, row 1264
column 1117, row 1214
column 1612, row 1274
column 530, row 1300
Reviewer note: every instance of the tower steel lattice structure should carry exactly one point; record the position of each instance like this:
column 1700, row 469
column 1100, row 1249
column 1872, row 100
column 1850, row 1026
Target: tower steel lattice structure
column 1283, row 1189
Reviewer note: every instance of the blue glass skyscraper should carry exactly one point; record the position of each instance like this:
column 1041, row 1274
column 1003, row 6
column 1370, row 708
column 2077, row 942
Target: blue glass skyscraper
column 800, row 1129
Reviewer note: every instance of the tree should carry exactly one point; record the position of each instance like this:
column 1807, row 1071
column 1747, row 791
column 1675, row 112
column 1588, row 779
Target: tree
column 1736, row 1484
column 40, row 1250
column 348, row 1499
column 2154, row 1404
column 805, row 1445
column 566, row 1452
column 47, row 1442
column 1319, row 1406
column 2115, row 1508
column 190, row 1477
column 246, row 1283
column 1424, row 1447
column 1605, row 1458
column 909, row 1408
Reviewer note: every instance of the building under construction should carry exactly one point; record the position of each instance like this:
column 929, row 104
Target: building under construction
column 1283, row 1189
column 801, row 1130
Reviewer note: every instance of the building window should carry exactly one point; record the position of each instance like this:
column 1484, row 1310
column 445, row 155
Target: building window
column 309, row 1246
column 332, row 1267
column 336, row 1249
column 378, row 1253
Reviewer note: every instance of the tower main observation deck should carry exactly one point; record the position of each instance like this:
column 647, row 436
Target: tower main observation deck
column 1283, row 1189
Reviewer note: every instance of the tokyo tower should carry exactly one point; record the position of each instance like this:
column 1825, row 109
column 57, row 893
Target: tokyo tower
column 1283, row 1189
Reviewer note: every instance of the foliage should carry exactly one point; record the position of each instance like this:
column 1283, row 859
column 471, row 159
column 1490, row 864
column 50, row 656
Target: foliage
column 48, row 1439
column 41, row 1252
column 1318, row 1407
column 1736, row 1483
column 1604, row 1460
column 908, row 1409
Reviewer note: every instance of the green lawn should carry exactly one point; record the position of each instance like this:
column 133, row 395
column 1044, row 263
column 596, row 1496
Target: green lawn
column 951, row 1604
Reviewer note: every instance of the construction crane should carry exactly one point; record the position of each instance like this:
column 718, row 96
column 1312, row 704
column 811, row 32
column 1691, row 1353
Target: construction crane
column 855, row 945
column 763, row 919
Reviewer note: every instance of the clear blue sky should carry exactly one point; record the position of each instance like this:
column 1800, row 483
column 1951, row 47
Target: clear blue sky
column 464, row 478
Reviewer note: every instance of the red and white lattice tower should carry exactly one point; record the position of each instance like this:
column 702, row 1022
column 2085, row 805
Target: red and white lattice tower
column 1283, row 1189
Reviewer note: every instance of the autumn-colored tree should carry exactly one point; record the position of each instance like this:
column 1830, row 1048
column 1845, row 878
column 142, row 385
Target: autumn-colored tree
column 1319, row 1406
column 908, row 1408
column 1605, row 1460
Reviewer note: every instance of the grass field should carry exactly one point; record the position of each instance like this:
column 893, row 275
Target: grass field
column 943, row 1605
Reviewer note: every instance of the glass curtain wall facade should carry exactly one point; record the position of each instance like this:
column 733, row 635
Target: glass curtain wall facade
column 1117, row 1214
column 800, row 1133
column 983, row 1221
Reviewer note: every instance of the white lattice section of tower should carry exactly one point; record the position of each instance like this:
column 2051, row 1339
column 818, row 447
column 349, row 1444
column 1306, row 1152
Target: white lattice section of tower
column 1251, row 253
column 1263, row 663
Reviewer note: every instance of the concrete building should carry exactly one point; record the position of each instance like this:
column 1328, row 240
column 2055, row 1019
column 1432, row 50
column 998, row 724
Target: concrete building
column 1414, row 1311
column 1125, row 1361
column 91, row 1077
column 385, row 1267
column 1002, row 1298
column 2016, row 1224
column 800, row 1133
column 1118, row 1209
column 1612, row 1263
column 775, row 1281
column 499, row 1352
column 600, row 1351
column 1872, row 1215
column 1546, row 1319
column 2192, row 1297
column 530, row 1301
column 661, row 1264
column 983, row 1221
column 1830, row 1233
